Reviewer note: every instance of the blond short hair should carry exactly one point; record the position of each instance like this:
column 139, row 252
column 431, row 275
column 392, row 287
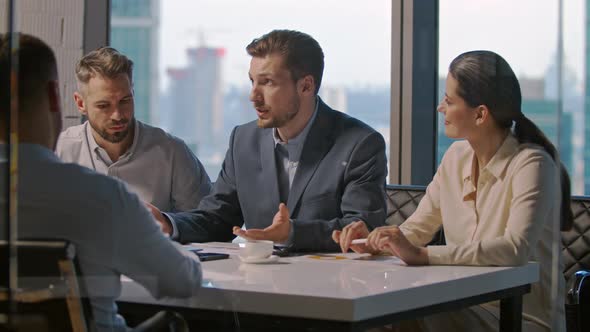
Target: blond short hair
column 105, row 61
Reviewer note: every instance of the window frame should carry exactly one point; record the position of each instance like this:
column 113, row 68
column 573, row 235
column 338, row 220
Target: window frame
column 414, row 63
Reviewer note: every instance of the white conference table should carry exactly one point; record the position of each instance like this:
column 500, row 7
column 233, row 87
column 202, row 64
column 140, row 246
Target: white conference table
column 341, row 291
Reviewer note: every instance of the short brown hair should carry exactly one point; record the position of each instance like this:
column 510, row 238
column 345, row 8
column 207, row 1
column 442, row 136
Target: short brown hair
column 104, row 61
column 36, row 67
column 303, row 55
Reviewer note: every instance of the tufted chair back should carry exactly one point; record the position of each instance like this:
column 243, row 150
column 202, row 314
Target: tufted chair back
column 576, row 242
column 402, row 201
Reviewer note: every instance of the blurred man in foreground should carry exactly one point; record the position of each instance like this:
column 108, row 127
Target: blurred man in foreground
column 112, row 231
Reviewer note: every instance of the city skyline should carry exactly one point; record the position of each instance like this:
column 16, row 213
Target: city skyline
column 343, row 43
column 359, row 54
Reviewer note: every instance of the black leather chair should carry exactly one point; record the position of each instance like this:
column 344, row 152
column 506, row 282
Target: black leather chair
column 47, row 296
column 50, row 294
column 576, row 253
column 403, row 200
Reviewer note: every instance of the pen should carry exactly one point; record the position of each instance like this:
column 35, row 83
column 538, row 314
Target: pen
column 359, row 241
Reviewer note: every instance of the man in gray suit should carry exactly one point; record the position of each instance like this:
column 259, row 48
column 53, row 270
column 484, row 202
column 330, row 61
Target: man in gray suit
column 321, row 168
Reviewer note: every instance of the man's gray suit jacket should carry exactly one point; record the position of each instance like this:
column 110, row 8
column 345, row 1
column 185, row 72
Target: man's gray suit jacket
column 340, row 179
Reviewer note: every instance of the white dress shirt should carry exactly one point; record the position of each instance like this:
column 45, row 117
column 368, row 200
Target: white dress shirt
column 287, row 155
column 158, row 167
column 112, row 231
column 509, row 218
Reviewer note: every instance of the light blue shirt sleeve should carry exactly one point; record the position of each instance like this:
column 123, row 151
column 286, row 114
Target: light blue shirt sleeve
column 146, row 255
column 174, row 235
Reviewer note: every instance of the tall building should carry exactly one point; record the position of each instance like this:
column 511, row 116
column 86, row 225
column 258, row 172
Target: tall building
column 180, row 114
column 134, row 32
column 195, row 94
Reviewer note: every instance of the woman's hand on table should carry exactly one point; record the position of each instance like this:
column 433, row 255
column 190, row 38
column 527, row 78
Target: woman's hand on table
column 391, row 240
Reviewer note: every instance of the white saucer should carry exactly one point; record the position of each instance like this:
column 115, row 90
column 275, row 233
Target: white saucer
column 266, row 260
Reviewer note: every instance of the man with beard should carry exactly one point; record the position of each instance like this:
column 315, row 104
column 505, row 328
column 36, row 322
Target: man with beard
column 112, row 231
column 159, row 167
column 320, row 168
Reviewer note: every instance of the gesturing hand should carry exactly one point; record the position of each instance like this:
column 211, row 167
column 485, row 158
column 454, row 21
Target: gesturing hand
column 278, row 231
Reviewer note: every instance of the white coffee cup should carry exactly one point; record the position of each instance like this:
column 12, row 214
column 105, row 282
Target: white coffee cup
column 256, row 249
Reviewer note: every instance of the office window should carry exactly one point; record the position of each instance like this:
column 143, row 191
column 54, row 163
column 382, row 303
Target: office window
column 131, row 8
column 526, row 34
column 134, row 43
column 198, row 87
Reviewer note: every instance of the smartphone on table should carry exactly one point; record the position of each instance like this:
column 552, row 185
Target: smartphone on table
column 208, row 256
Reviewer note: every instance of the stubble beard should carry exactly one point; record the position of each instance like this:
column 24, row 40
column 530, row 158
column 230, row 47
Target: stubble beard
column 282, row 119
column 116, row 137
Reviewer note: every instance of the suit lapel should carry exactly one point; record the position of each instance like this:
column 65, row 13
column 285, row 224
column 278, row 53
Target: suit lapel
column 269, row 166
column 318, row 142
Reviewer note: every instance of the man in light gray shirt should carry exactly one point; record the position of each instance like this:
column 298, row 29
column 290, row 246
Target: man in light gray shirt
column 111, row 229
column 157, row 166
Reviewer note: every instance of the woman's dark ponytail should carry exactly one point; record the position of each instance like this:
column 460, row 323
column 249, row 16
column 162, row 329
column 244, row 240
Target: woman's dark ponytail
column 485, row 78
column 527, row 132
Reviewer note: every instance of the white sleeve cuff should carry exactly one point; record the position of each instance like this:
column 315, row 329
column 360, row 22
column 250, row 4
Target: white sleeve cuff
column 174, row 235
column 289, row 241
column 439, row 255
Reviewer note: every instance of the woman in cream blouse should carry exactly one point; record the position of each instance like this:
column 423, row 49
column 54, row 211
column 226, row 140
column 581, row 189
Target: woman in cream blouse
column 500, row 194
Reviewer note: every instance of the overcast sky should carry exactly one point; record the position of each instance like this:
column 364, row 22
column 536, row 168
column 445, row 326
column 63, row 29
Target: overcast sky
column 355, row 35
